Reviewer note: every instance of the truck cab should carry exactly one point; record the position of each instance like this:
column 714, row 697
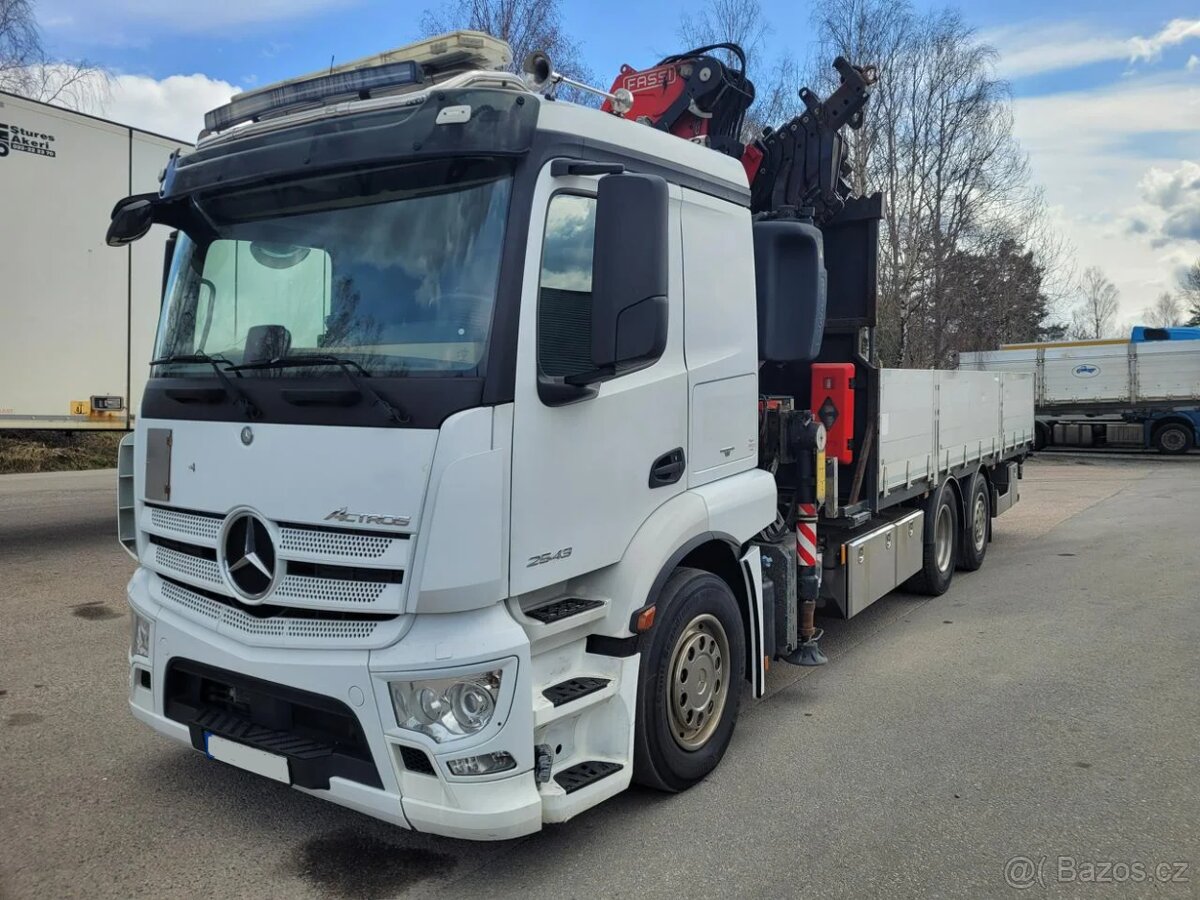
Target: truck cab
column 448, row 490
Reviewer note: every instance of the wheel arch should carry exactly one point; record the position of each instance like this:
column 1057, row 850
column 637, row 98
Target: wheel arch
column 931, row 503
column 719, row 554
column 1173, row 419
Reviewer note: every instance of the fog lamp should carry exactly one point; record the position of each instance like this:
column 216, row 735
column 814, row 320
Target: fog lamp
column 484, row 764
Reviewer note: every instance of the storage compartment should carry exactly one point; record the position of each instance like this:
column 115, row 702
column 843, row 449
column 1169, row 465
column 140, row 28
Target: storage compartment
column 870, row 568
column 910, row 549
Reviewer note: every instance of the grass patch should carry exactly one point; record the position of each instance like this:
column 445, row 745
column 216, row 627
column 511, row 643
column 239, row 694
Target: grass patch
column 57, row 451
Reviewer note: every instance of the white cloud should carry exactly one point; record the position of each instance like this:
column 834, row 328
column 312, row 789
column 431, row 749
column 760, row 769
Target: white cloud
column 1193, row 63
column 1110, row 159
column 1033, row 48
column 173, row 106
column 1176, row 32
column 1175, row 194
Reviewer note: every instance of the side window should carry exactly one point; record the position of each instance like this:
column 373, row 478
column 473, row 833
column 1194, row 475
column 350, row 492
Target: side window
column 565, row 288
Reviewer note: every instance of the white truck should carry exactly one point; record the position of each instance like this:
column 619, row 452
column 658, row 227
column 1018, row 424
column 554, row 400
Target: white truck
column 77, row 322
column 1141, row 393
column 494, row 443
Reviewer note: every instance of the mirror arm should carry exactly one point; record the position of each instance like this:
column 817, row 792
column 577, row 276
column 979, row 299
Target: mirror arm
column 563, row 392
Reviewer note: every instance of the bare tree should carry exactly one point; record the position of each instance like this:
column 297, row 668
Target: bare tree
column 526, row 25
column 1095, row 316
column 961, row 205
column 27, row 70
column 1189, row 287
column 1167, row 311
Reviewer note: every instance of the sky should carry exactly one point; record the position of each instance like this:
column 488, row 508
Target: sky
column 1106, row 92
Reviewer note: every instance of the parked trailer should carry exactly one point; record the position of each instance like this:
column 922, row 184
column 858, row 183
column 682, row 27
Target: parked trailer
column 77, row 320
column 1140, row 393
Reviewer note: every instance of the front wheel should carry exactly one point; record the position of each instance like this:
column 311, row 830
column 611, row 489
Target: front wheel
column 689, row 687
column 1173, row 439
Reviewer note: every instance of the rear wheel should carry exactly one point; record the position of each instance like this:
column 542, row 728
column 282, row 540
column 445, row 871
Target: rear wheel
column 975, row 531
column 689, row 688
column 1173, row 438
column 937, row 569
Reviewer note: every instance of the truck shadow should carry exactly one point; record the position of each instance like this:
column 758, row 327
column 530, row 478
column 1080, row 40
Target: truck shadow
column 338, row 852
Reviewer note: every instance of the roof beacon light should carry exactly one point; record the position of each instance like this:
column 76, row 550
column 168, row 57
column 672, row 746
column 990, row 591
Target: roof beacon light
column 413, row 64
column 289, row 95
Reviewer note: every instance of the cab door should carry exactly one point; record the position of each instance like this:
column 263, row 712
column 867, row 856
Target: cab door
column 582, row 480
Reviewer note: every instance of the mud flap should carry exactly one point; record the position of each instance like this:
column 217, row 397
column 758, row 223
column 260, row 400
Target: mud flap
column 756, row 645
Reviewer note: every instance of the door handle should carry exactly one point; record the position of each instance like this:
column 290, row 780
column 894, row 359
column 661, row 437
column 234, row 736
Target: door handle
column 668, row 468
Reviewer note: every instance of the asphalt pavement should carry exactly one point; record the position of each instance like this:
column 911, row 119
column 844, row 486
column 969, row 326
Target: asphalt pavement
column 1037, row 726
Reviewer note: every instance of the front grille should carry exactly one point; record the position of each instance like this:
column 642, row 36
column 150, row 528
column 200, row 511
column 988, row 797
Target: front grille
column 183, row 523
column 323, row 542
column 321, row 567
column 270, row 625
column 329, row 590
column 189, row 565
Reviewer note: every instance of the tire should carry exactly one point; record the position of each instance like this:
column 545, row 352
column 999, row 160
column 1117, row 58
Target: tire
column 937, row 569
column 677, row 739
column 977, row 528
column 1173, row 439
column 1041, row 436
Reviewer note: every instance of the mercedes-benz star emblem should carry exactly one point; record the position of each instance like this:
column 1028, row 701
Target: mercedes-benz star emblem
column 247, row 435
column 248, row 556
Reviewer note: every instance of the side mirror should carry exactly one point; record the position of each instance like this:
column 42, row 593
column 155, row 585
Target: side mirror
column 131, row 219
column 629, row 276
column 789, row 265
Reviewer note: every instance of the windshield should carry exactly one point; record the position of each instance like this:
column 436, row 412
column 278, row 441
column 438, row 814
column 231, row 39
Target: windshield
column 392, row 269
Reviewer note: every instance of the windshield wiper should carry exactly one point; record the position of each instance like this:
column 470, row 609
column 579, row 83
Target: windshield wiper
column 232, row 390
column 393, row 412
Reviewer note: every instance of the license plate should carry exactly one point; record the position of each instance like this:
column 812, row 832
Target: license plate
column 251, row 759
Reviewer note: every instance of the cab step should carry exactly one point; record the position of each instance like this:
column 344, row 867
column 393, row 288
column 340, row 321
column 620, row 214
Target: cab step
column 562, row 609
column 582, row 774
column 573, row 689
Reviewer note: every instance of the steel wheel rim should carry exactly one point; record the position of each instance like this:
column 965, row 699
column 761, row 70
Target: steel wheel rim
column 979, row 523
column 943, row 538
column 1173, row 439
column 698, row 683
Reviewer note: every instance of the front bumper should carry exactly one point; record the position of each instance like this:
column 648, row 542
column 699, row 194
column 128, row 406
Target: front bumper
column 482, row 808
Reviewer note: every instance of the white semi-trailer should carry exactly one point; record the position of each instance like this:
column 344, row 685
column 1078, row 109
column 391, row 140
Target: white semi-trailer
column 494, row 443
column 76, row 318
column 1141, row 393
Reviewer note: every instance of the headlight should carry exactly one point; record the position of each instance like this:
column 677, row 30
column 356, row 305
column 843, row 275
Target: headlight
column 448, row 707
column 139, row 639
